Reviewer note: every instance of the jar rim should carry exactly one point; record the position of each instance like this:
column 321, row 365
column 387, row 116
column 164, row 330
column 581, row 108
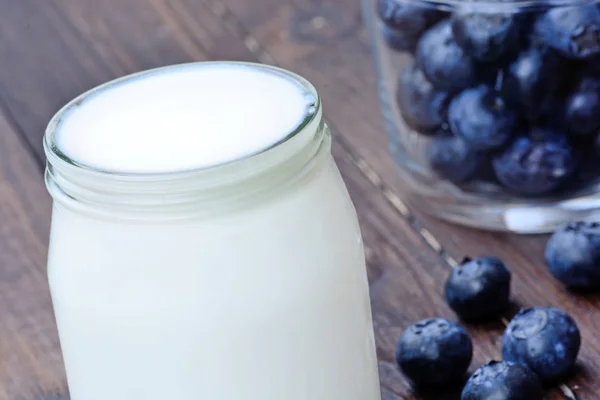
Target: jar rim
column 498, row 5
column 58, row 158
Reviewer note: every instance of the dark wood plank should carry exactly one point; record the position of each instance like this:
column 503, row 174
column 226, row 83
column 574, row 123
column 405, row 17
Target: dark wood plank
column 30, row 360
column 40, row 65
column 144, row 35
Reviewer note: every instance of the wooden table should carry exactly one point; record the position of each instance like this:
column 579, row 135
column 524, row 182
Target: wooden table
column 52, row 50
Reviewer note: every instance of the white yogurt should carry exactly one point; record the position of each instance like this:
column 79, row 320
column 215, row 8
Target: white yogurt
column 197, row 117
column 206, row 298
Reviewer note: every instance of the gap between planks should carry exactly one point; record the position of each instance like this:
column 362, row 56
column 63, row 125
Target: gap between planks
column 262, row 55
column 20, row 134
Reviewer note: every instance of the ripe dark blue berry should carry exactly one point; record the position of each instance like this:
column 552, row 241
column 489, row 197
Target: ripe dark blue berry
column 434, row 352
column 533, row 78
column 478, row 288
column 536, row 164
column 482, row 117
column 547, row 340
column 573, row 255
column 486, row 36
column 582, row 108
column 404, row 23
column 423, row 108
column 451, row 158
column 573, row 31
column 442, row 60
column 503, row 380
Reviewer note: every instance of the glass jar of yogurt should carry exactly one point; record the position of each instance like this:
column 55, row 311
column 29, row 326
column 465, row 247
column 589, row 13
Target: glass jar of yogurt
column 493, row 107
column 203, row 244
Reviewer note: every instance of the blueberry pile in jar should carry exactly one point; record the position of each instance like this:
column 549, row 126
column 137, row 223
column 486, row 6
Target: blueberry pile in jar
column 513, row 92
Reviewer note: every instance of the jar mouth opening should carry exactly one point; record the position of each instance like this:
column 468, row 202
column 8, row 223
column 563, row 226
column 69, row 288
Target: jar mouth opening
column 489, row 6
column 57, row 158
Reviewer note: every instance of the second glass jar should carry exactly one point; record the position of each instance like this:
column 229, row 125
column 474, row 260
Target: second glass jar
column 492, row 108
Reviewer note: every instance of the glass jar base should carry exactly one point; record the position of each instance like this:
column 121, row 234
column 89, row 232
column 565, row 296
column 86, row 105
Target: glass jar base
column 482, row 204
column 521, row 218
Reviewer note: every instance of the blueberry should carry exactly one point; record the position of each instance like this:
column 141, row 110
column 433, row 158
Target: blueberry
column 404, row 23
column 582, row 108
column 503, row 380
column 434, row 352
column 547, row 340
column 442, row 60
column 573, row 255
column 486, row 36
column 573, row 31
column 423, row 108
column 533, row 78
column 536, row 164
column 451, row 158
column 482, row 117
column 478, row 288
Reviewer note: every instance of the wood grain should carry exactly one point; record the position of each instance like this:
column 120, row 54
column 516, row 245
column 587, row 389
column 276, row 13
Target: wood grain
column 30, row 361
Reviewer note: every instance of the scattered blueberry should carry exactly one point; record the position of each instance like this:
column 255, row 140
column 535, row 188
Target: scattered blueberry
column 573, row 31
column 434, row 352
column 536, row 164
column 423, row 108
column 486, row 36
column 451, row 158
column 582, row 108
column 442, row 60
column 482, row 117
column 547, row 340
column 573, row 255
column 478, row 288
column 503, row 380
column 404, row 23
column 532, row 79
